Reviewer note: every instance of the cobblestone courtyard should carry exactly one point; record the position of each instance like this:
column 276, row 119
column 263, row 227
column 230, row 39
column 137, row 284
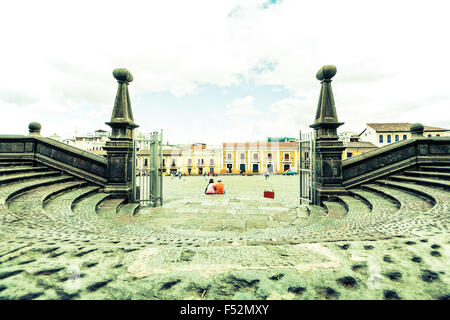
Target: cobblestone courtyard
column 238, row 245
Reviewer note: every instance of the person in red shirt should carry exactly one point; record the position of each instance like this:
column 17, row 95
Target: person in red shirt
column 220, row 188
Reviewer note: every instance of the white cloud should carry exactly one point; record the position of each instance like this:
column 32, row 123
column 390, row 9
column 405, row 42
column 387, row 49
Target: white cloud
column 242, row 109
column 391, row 57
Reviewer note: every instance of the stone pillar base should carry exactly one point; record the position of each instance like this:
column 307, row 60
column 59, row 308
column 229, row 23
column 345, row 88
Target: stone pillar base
column 329, row 193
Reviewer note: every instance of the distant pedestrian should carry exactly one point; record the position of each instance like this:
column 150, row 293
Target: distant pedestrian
column 266, row 175
column 179, row 175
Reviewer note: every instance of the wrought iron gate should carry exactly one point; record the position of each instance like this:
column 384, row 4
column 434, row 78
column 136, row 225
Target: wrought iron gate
column 147, row 168
column 306, row 148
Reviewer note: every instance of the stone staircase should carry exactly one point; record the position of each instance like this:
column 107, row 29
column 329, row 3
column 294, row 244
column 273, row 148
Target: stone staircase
column 400, row 205
column 403, row 204
column 44, row 199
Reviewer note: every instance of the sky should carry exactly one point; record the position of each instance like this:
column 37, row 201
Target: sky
column 218, row 71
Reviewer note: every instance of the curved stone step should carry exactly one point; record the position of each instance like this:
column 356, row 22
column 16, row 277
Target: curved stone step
column 129, row 209
column 437, row 217
column 21, row 169
column 86, row 208
column 437, row 168
column 373, row 188
column 379, row 203
column 425, row 181
column 7, row 179
column 23, row 203
column 382, row 208
column 4, row 163
column 357, row 209
column 109, row 207
column 335, row 209
column 411, row 188
column 62, row 206
column 38, row 196
column 408, row 219
column 428, row 174
column 66, row 201
column 407, row 198
column 316, row 211
column 10, row 191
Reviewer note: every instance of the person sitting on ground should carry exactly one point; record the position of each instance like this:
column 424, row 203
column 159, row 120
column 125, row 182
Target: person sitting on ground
column 220, row 188
column 210, row 187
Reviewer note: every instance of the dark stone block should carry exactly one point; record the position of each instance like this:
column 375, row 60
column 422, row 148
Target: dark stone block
column 12, row 147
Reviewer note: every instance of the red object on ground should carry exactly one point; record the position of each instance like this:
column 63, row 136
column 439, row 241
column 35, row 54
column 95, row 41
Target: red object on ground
column 269, row 194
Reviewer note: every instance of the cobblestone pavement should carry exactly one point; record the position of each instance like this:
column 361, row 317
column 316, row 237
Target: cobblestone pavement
column 387, row 240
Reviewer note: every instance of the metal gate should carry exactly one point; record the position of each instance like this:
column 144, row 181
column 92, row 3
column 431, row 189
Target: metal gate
column 306, row 148
column 147, row 168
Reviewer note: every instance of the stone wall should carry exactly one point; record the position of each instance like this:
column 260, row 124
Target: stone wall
column 395, row 157
column 54, row 154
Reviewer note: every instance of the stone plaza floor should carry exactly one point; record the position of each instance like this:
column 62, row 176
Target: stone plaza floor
column 234, row 246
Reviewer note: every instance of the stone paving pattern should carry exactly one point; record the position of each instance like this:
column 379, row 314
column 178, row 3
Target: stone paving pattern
column 60, row 239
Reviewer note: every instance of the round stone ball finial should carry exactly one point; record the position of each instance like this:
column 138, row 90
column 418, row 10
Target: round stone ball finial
column 417, row 129
column 326, row 72
column 34, row 128
column 122, row 75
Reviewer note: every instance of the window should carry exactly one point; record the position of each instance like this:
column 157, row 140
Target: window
column 429, row 135
column 269, row 156
column 173, row 162
column 242, row 156
column 229, row 157
column 286, row 156
column 388, row 138
column 200, row 161
column 164, row 162
column 349, row 154
column 381, row 138
column 397, row 137
column 211, row 162
column 405, row 137
column 189, row 162
column 255, row 156
column 438, row 135
column 146, row 162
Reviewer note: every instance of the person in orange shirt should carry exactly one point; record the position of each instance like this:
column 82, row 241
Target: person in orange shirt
column 220, row 188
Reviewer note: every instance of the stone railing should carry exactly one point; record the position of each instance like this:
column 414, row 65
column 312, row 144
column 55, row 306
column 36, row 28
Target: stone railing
column 54, row 154
column 395, row 157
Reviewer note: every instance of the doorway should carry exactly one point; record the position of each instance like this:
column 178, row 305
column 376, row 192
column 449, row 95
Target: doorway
column 242, row 168
column 255, row 168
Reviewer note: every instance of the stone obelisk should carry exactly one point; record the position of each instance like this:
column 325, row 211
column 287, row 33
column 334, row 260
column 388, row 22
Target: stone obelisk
column 119, row 148
column 328, row 147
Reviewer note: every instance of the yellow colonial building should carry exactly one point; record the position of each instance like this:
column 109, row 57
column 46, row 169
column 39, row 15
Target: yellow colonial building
column 259, row 157
column 194, row 159
column 198, row 159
